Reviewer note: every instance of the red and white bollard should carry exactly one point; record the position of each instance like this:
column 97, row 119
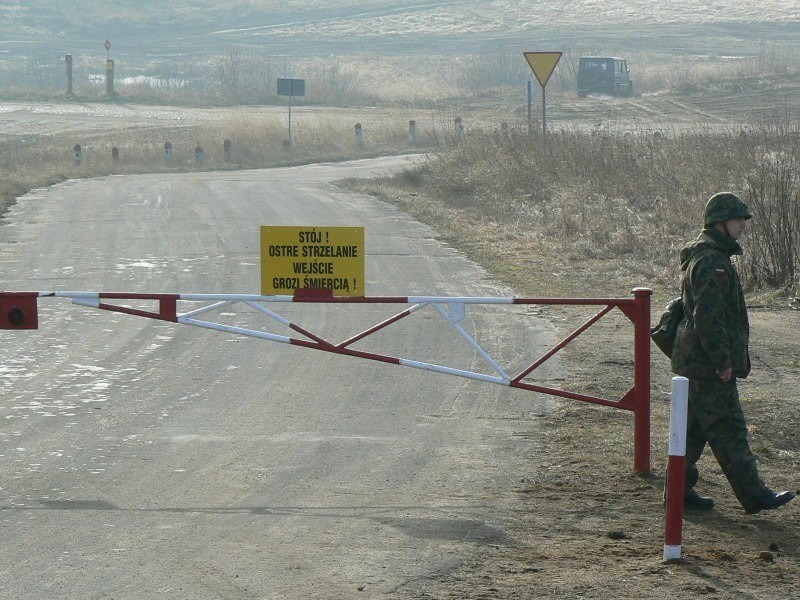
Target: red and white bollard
column 676, row 468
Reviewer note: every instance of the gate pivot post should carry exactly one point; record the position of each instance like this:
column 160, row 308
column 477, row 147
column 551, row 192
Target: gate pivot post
column 168, row 308
column 641, row 381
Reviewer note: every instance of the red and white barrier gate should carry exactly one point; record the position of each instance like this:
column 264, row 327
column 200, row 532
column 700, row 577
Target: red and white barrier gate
column 452, row 309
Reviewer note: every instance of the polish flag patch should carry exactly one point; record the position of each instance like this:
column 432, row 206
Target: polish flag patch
column 719, row 271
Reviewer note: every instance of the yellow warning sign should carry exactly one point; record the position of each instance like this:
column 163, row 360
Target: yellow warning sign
column 543, row 64
column 322, row 258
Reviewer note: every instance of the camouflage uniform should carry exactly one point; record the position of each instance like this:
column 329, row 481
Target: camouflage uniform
column 712, row 338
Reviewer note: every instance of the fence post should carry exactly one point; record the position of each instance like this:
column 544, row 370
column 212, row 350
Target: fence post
column 115, row 154
column 78, row 153
column 199, row 154
column 412, row 132
column 676, row 468
column 227, row 146
column 168, row 150
column 641, row 381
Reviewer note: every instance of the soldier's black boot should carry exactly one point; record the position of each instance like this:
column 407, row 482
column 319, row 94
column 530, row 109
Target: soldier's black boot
column 695, row 501
column 770, row 501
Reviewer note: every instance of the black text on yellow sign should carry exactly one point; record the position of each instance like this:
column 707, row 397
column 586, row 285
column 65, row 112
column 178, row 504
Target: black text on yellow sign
column 322, row 258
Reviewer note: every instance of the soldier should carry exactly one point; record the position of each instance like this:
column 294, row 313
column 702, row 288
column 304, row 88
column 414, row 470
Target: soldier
column 711, row 351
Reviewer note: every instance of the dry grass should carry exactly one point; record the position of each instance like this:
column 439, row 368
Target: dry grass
column 604, row 198
column 256, row 143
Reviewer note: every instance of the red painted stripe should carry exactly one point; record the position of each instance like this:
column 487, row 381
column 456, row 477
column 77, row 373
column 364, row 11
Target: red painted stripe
column 370, row 300
column 346, row 352
column 570, row 395
column 139, row 313
column 372, row 330
column 566, row 341
column 309, row 335
column 676, row 473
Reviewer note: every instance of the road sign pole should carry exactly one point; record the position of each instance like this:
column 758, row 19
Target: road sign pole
column 290, row 121
column 530, row 106
column 542, row 64
column 544, row 117
column 291, row 87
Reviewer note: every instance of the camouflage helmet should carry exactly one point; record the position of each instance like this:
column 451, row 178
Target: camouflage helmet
column 724, row 206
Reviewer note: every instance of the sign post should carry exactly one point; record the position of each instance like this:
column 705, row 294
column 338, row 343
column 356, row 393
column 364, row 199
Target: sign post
column 109, row 70
column 530, row 104
column 543, row 64
column 291, row 87
column 312, row 258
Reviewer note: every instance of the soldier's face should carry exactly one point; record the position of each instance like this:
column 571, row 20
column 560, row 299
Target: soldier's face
column 736, row 227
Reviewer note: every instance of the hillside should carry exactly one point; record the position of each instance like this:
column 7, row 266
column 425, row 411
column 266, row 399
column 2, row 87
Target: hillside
column 389, row 26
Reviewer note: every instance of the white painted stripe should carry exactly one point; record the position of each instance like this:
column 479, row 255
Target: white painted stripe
column 474, row 344
column 672, row 552
column 90, row 302
column 234, row 298
column 76, row 294
column 451, row 371
column 199, row 311
column 268, row 312
column 237, row 330
column 678, row 416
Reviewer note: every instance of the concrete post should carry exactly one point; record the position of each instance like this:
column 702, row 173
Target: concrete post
column 168, row 150
column 77, row 152
column 199, row 154
column 115, row 154
column 227, row 146
column 359, row 135
column 412, row 132
column 110, row 78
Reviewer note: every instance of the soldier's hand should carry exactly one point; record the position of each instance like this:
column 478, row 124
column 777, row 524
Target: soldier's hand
column 726, row 374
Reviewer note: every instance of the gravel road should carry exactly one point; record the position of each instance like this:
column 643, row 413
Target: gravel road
column 142, row 459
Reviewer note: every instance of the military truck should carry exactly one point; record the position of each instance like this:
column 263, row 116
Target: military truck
column 604, row 75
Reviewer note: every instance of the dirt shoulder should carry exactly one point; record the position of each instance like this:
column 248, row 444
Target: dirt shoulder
column 590, row 527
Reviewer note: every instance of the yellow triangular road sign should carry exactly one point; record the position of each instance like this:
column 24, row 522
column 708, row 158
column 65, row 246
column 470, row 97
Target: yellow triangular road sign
column 543, row 64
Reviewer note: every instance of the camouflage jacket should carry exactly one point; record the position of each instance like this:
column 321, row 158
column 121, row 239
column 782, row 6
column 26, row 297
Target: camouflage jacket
column 715, row 333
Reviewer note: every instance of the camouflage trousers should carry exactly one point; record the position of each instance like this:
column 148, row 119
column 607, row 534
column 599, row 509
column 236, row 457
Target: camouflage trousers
column 716, row 418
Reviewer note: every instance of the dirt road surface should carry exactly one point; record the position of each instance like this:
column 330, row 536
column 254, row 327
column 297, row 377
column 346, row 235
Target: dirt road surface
column 142, row 459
